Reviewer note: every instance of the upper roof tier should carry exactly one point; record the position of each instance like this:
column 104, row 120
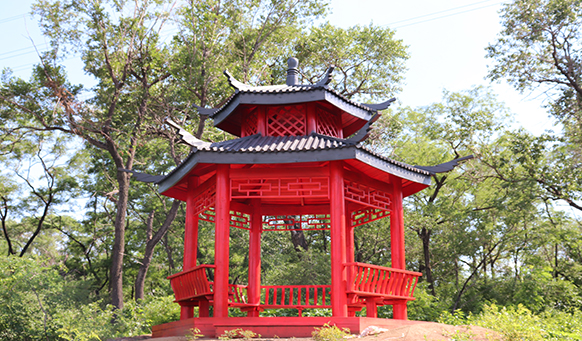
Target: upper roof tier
column 291, row 109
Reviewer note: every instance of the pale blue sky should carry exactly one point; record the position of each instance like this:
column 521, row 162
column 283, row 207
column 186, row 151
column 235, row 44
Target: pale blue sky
column 446, row 42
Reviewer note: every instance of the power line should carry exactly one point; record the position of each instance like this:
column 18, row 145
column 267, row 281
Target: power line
column 21, row 54
column 434, row 13
column 18, row 68
column 16, row 17
column 444, row 16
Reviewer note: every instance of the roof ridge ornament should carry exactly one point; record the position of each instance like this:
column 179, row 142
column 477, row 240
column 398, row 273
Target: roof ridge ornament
column 445, row 167
column 379, row 106
column 204, row 111
column 185, row 136
column 324, row 81
column 364, row 132
column 292, row 72
column 237, row 85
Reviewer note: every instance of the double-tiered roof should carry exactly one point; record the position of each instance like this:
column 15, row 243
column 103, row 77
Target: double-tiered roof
column 293, row 123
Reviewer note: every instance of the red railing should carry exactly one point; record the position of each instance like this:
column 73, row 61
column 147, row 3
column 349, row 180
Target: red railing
column 374, row 280
column 238, row 294
column 191, row 283
column 296, row 296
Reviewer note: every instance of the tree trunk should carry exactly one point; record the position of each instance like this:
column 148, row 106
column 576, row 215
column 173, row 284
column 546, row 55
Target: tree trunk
column 116, row 276
column 151, row 244
column 424, row 235
column 297, row 236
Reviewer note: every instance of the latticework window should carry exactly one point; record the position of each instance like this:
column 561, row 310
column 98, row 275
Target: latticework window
column 327, row 124
column 249, row 126
column 286, row 121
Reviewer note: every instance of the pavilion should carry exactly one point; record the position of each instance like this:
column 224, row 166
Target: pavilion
column 297, row 162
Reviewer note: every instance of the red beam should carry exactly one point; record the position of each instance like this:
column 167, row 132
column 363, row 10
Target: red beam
column 294, row 209
column 277, row 173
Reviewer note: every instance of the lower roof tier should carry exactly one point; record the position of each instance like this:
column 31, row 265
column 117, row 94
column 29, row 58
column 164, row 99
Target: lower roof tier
column 270, row 157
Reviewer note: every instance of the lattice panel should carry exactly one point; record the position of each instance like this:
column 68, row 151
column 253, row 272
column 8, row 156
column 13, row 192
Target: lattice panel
column 362, row 217
column 286, row 121
column 249, row 126
column 280, row 187
column 327, row 124
column 367, row 195
column 237, row 219
column 291, row 223
column 205, row 199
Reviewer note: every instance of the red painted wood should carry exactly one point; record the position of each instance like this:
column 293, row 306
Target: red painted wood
column 373, row 282
column 285, row 172
column 191, row 229
column 291, row 209
column 397, row 239
column 338, row 241
column 221, row 256
column 397, row 225
column 311, row 119
column 191, row 283
column 254, row 289
column 262, row 121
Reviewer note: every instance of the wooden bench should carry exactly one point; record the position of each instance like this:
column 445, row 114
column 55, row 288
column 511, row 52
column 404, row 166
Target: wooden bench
column 372, row 286
column 192, row 288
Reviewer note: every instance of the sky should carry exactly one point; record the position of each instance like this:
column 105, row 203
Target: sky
column 446, row 39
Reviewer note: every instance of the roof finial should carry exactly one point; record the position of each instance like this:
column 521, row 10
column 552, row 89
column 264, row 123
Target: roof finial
column 292, row 72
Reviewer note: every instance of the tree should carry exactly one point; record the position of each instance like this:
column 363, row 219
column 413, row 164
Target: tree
column 541, row 48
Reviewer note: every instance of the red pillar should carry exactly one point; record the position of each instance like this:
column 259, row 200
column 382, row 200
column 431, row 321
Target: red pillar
column 397, row 240
column 190, row 240
column 339, row 306
column 221, row 244
column 254, row 287
column 350, row 256
column 262, row 121
column 311, row 119
column 191, row 230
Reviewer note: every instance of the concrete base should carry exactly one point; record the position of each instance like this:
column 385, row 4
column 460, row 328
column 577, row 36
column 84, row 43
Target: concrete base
column 284, row 327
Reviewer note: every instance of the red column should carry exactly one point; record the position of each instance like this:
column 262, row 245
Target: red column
column 338, row 241
column 349, row 256
column 254, row 287
column 221, row 241
column 397, row 240
column 311, row 119
column 190, row 240
column 191, row 230
column 262, row 121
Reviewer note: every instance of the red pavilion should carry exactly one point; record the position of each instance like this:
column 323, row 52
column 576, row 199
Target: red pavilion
column 298, row 162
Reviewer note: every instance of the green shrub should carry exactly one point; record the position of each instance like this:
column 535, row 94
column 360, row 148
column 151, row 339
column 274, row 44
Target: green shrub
column 330, row 333
column 238, row 333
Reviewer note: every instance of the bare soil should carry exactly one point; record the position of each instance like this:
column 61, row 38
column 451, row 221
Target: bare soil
column 416, row 332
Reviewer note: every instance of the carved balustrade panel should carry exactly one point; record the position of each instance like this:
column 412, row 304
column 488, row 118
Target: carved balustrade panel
column 280, row 187
column 286, row 121
column 327, row 124
column 206, row 199
column 369, row 196
column 237, row 219
column 295, row 223
column 364, row 216
column 249, row 126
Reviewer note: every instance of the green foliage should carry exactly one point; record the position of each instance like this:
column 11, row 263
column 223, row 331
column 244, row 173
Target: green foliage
column 193, row 334
column 330, row 333
column 239, row 333
column 520, row 323
column 39, row 300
